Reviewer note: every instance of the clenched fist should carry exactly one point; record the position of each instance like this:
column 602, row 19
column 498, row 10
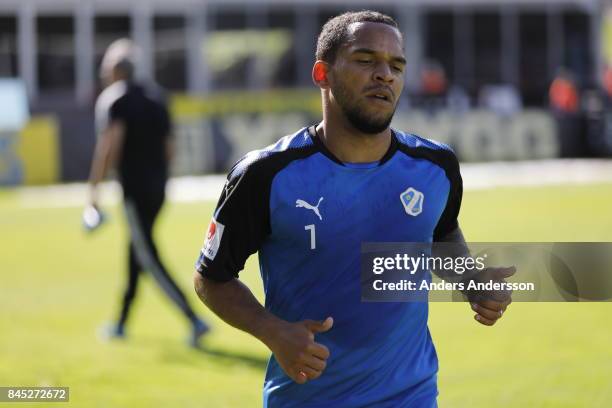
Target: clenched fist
column 295, row 349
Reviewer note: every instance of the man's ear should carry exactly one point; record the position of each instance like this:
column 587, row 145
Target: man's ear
column 320, row 72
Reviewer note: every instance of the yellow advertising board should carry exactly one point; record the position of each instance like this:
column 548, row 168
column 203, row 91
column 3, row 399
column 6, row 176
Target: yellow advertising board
column 31, row 155
column 38, row 150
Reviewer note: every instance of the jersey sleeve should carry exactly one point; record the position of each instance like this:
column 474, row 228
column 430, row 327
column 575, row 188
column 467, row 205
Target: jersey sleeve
column 102, row 115
column 104, row 105
column 448, row 221
column 239, row 225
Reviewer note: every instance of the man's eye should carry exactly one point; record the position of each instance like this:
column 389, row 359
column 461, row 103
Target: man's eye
column 398, row 68
column 364, row 61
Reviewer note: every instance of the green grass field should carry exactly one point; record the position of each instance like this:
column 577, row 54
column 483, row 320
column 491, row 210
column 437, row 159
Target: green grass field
column 58, row 285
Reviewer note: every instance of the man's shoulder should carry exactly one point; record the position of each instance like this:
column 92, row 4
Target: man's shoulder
column 275, row 156
column 105, row 102
column 110, row 95
column 411, row 140
column 440, row 154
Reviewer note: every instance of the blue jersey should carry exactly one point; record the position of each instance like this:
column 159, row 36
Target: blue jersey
column 306, row 213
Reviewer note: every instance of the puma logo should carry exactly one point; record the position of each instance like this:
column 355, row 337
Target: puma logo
column 303, row 204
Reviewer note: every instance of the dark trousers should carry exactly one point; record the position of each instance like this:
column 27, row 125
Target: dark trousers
column 141, row 209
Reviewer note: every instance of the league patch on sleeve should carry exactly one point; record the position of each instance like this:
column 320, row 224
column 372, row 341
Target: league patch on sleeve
column 213, row 239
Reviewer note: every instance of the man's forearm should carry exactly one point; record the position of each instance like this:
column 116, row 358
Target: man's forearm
column 234, row 303
column 451, row 245
column 98, row 170
column 106, row 153
column 455, row 237
column 99, row 163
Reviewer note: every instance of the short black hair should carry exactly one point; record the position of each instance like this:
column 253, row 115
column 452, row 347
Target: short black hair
column 334, row 32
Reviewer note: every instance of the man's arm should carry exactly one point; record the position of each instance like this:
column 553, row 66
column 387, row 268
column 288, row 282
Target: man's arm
column 488, row 310
column 457, row 248
column 293, row 344
column 107, row 150
column 456, row 237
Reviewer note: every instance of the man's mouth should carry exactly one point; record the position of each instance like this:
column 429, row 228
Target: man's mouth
column 381, row 95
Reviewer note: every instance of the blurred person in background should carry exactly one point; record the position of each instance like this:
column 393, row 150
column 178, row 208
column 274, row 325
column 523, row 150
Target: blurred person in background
column 433, row 79
column 503, row 99
column 607, row 82
column 436, row 93
column 434, row 87
column 134, row 137
column 563, row 93
column 597, row 113
column 564, row 103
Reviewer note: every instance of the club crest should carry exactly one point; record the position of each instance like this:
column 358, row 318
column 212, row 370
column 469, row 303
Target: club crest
column 412, row 200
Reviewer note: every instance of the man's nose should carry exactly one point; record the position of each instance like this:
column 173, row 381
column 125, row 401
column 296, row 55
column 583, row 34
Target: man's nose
column 383, row 73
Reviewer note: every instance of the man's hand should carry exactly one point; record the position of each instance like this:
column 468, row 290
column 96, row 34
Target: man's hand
column 295, row 349
column 488, row 312
column 491, row 305
column 293, row 344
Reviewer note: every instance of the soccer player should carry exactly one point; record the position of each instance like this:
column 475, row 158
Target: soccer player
column 306, row 204
column 133, row 128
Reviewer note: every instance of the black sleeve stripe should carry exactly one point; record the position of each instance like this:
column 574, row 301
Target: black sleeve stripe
column 228, row 190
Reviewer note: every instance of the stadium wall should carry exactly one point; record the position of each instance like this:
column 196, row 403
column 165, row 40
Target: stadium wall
column 213, row 132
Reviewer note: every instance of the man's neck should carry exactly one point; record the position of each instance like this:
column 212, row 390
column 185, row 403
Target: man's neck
column 351, row 146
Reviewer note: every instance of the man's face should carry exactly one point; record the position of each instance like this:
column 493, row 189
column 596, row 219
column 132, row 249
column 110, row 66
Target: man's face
column 368, row 76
